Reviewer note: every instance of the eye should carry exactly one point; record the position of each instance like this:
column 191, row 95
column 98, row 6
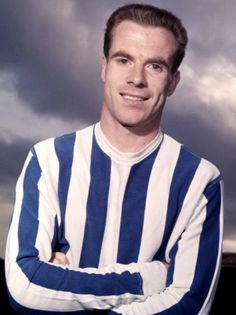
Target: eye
column 122, row 61
column 155, row 66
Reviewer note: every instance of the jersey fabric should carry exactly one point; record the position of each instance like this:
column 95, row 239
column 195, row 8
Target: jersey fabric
column 118, row 217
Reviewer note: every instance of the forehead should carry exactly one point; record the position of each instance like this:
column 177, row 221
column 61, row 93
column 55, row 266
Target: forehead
column 149, row 40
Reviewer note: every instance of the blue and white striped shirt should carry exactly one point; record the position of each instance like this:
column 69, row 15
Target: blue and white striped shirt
column 117, row 217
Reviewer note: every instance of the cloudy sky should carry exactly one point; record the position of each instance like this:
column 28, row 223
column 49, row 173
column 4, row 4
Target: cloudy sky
column 50, row 52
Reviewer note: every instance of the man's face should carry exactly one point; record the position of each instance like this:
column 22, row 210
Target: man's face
column 137, row 74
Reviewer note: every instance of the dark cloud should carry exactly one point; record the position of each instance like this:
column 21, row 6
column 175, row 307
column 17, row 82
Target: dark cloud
column 49, row 74
column 12, row 156
column 210, row 25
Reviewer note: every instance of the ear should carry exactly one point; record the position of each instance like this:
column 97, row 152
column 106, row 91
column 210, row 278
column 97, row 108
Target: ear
column 104, row 66
column 173, row 83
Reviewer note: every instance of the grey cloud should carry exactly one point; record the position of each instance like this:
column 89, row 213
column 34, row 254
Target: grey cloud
column 12, row 156
column 42, row 61
column 210, row 25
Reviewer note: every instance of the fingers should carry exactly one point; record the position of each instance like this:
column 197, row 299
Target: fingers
column 59, row 258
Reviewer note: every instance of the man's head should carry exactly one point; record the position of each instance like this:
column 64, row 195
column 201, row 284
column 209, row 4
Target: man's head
column 143, row 49
column 148, row 15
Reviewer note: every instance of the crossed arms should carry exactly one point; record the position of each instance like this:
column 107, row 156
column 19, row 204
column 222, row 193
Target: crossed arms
column 38, row 281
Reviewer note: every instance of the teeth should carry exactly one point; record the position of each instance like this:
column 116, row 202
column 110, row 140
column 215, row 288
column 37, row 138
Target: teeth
column 133, row 98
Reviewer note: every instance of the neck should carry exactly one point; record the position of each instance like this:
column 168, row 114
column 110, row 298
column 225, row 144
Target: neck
column 128, row 139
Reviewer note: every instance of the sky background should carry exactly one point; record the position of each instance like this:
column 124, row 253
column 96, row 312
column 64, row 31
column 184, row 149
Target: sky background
column 50, row 53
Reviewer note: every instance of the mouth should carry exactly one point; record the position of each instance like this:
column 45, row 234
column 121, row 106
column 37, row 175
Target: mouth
column 133, row 98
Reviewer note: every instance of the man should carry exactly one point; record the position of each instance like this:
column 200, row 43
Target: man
column 119, row 218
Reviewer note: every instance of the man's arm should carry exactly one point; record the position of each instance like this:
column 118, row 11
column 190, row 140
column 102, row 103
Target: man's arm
column 195, row 261
column 36, row 283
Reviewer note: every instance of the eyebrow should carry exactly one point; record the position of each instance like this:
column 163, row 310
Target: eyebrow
column 121, row 53
column 158, row 60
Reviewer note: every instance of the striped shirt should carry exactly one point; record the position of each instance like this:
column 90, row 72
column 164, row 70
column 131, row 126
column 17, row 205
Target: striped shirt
column 118, row 217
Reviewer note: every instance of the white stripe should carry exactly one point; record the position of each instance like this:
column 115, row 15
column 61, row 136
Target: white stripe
column 48, row 197
column 45, row 225
column 156, row 209
column 119, row 177
column 75, row 217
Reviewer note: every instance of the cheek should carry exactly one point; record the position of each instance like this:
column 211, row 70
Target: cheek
column 109, row 91
column 112, row 82
column 108, row 79
column 115, row 75
column 160, row 88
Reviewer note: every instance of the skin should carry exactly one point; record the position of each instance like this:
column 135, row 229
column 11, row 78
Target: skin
column 59, row 259
column 137, row 79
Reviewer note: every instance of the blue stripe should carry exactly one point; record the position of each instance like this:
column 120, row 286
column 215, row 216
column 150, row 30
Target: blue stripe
column 96, row 207
column 67, row 280
column 184, row 172
column 28, row 222
column 64, row 147
column 192, row 301
column 171, row 268
column 59, row 279
column 133, row 210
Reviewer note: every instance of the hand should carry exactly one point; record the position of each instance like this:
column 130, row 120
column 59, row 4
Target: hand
column 59, row 258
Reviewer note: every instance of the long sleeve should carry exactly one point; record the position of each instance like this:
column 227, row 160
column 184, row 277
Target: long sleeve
column 118, row 220
column 35, row 283
column 195, row 261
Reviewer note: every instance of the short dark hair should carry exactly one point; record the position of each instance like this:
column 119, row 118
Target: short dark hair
column 150, row 16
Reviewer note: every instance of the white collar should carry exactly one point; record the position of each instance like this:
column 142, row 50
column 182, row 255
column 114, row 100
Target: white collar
column 124, row 158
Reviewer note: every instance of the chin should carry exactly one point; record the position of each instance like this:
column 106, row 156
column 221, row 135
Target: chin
column 131, row 124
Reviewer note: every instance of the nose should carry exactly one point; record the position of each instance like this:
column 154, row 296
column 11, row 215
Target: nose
column 136, row 76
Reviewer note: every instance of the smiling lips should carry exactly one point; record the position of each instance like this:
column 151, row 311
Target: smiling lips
column 130, row 97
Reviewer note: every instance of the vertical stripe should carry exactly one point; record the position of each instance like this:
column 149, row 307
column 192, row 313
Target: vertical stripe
column 209, row 243
column 54, row 239
column 28, row 222
column 209, row 246
column 172, row 255
column 100, row 169
column 157, row 200
column 75, row 218
column 133, row 210
column 64, row 147
column 119, row 176
column 184, row 172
